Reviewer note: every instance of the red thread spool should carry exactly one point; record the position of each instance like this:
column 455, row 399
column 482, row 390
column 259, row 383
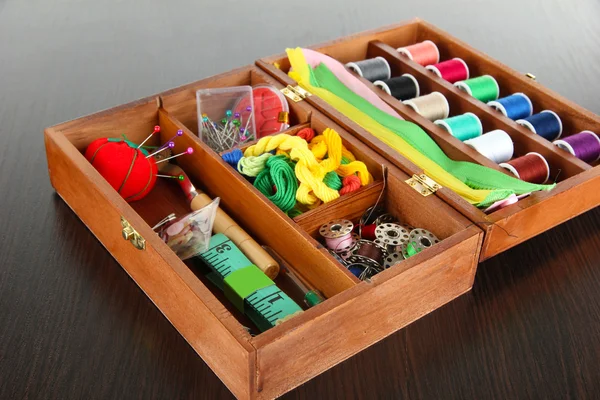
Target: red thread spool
column 451, row 70
column 423, row 53
column 368, row 232
column 124, row 167
column 532, row 168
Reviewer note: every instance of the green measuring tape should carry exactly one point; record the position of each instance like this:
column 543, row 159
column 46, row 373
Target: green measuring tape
column 245, row 285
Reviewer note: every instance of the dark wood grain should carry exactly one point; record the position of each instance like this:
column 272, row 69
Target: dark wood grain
column 73, row 325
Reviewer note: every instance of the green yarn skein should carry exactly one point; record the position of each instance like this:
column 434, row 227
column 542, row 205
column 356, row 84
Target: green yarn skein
column 279, row 171
column 332, row 180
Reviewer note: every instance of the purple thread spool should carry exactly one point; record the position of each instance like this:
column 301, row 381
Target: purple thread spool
column 583, row 145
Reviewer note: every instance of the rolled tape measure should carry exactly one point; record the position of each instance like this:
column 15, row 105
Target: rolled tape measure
column 246, row 286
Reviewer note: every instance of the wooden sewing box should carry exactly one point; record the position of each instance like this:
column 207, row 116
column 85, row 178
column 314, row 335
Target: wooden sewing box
column 356, row 314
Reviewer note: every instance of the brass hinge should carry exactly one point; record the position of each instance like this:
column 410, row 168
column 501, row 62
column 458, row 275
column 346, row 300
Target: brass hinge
column 131, row 234
column 530, row 75
column 423, row 184
column 295, row 93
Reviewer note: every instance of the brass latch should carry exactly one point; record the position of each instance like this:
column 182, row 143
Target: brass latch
column 295, row 93
column 131, row 234
column 423, row 184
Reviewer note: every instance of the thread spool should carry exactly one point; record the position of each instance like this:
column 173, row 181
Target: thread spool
column 495, row 145
column 463, row 127
column 483, row 88
column 453, row 70
column 423, row 53
column 371, row 69
column 338, row 235
column 368, row 231
column 532, row 167
column 547, row 124
column 432, row 106
column 516, row 106
column 402, row 87
column 583, row 145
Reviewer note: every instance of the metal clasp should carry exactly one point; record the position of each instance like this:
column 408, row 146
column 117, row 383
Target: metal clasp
column 132, row 235
column 423, row 184
column 295, row 93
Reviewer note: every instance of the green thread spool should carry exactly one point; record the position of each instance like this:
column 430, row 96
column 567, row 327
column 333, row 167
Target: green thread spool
column 463, row 127
column 483, row 88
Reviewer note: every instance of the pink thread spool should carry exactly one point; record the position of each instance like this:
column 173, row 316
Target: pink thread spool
column 338, row 235
column 451, row 70
column 423, row 53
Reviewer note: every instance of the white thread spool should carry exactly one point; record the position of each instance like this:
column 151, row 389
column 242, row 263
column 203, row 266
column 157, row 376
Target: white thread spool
column 432, row 106
column 495, row 145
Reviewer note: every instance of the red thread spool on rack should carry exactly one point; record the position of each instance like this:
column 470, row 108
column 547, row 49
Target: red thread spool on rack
column 532, row 167
column 451, row 70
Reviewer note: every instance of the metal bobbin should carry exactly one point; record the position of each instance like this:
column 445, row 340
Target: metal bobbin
column 422, row 239
column 336, row 228
column 385, row 219
column 371, row 214
column 368, row 252
column 362, row 270
column 392, row 259
column 391, row 234
column 338, row 257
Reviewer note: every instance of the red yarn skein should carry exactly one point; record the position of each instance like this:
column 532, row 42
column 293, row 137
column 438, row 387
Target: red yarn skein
column 351, row 183
column 125, row 167
column 306, row 133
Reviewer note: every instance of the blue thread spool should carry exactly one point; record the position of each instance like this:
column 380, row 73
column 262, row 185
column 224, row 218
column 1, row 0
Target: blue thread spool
column 516, row 106
column 547, row 124
column 463, row 127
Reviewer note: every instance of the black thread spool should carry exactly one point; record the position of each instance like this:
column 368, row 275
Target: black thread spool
column 404, row 87
column 371, row 69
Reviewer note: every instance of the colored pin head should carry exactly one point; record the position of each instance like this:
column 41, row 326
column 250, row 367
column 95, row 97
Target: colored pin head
column 156, row 130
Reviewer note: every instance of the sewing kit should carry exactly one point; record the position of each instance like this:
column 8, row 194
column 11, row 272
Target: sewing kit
column 286, row 215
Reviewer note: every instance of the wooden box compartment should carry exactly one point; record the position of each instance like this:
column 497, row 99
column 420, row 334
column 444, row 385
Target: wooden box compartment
column 577, row 182
column 355, row 314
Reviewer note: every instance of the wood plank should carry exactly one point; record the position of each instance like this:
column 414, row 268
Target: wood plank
column 396, row 297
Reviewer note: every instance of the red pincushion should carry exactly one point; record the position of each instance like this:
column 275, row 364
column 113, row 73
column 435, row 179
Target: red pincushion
column 125, row 168
column 267, row 106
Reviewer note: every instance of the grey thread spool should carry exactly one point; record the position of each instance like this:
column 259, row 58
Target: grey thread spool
column 372, row 69
column 432, row 106
column 402, row 87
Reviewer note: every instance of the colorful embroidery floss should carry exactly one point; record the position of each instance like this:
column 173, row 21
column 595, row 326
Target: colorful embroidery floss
column 547, row 124
column 495, row 145
column 532, row 168
column 583, row 145
column 516, row 106
column 423, row 53
column 432, row 106
column 453, row 70
column 371, row 69
column 463, row 127
column 483, row 88
column 402, row 87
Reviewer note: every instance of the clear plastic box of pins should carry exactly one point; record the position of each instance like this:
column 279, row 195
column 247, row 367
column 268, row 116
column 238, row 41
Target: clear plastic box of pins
column 225, row 117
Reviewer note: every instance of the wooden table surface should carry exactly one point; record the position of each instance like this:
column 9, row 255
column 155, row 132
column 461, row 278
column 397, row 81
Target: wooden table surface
column 73, row 325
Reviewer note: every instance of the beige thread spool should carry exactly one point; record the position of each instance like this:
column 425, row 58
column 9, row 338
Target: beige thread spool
column 432, row 106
